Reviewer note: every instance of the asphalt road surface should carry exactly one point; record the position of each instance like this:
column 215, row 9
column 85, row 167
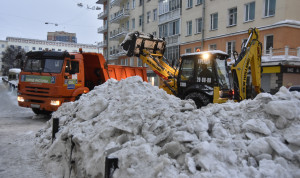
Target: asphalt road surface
column 17, row 131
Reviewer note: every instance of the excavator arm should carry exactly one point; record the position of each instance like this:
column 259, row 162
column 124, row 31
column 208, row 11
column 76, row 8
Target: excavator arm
column 250, row 56
column 150, row 50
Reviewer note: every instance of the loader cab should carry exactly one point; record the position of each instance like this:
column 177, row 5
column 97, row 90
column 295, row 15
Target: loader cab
column 200, row 73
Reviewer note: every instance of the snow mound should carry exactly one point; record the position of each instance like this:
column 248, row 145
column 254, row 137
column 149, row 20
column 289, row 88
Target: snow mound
column 154, row 134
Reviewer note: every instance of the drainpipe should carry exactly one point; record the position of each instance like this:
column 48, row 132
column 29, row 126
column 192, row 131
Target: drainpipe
column 107, row 35
column 203, row 20
column 143, row 12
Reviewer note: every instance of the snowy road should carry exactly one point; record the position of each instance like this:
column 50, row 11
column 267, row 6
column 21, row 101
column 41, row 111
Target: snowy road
column 17, row 130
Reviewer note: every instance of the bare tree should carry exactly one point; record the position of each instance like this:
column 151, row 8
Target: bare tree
column 12, row 58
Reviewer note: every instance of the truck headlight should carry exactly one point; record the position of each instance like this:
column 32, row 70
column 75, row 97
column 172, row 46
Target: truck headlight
column 20, row 99
column 55, row 102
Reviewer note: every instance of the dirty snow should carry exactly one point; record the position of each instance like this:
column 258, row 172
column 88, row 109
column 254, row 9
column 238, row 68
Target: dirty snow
column 154, row 134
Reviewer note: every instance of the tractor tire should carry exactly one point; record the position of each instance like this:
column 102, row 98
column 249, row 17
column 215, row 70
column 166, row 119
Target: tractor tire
column 199, row 98
column 38, row 111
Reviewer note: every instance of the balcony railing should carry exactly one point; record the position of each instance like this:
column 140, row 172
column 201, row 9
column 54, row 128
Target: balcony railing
column 120, row 15
column 114, row 2
column 102, row 44
column 285, row 53
column 114, row 54
column 121, row 32
column 102, row 15
column 169, row 16
column 172, row 40
column 102, row 29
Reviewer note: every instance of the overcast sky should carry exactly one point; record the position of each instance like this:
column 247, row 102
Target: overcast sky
column 26, row 19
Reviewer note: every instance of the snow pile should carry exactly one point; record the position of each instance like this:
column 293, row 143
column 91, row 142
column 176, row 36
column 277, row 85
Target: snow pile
column 154, row 134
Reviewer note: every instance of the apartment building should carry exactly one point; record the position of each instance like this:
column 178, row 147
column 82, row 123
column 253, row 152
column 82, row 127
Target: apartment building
column 62, row 36
column 123, row 16
column 223, row 25
column 189, row 25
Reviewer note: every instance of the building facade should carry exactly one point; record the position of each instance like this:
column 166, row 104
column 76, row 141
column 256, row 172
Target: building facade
column 44, row 45
column 62, row 36
column 189, row 25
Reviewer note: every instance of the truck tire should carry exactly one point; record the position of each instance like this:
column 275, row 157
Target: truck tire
column 199, row 99
column 38, row 111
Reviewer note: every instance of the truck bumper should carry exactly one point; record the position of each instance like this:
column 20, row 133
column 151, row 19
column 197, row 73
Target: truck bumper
column 47, row 104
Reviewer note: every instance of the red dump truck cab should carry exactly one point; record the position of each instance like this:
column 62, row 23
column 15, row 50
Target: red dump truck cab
column 50, row 78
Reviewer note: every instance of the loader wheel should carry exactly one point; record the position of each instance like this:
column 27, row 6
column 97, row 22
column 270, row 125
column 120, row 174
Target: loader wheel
column 199, row 99
column 38, row 111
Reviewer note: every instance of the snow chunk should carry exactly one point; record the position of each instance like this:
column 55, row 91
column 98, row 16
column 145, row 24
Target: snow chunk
column 256, row 125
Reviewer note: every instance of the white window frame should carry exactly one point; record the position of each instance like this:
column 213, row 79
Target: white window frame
column 266, row 12
column 232, row 47
column 154, row 14
column 199, row 2
column 197, row 25
column 188, row 50
column 212, row 46
column 212, row 20
column 148, row 16
column 248, row 7
column 232, row 15
column 189, row 28
column 189, row 4
column 267, row 51
column 133, row 4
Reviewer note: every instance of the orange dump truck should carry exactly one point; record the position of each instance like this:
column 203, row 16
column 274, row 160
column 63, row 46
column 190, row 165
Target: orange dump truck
column 49, row 78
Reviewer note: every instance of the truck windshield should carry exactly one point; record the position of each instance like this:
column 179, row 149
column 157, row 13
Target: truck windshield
column 222, row 74
column 44, row 65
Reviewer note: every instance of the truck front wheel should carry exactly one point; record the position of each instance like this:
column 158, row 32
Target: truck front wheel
column 199, row 99
column 38, row 111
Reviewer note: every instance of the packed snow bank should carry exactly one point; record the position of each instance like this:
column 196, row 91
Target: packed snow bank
column 154, row 134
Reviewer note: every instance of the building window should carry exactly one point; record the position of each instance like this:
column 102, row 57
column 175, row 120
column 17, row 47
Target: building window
column 33, row 48
column 212, row 47
column 188, row 50
column 189, row 28
column 232, row 16
column 174, row 28
column 154, row 34
column 199, row 25
column 189, row 4
column 141, row 20
column 40, row 49
column 133, row 23
column 131, row 61
column 270, row 8
column 126, row 62
column 268, row 43
column 140, row 62
column 214, row 21
column 127, row 25
column 148, row 16
column 199, row 2
column 141, row 2
column 230, row 47
column 2, row 45
column 59, row 50
column 154, row 14
column 249, row 11
column 133, row 4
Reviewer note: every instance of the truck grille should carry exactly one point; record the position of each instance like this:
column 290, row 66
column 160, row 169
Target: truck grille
column 37, row 90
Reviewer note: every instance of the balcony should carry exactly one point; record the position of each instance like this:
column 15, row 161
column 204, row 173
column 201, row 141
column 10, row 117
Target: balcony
column 103, row 15
column 114, row 54
column 121, row 32
column 102, row 29
column 101, row 1
column 102, row 44
column 120, row 15
column 172, row 40
column 114, row 2
column 169, row 16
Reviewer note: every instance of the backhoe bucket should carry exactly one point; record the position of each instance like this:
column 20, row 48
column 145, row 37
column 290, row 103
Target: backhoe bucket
column 135, row 42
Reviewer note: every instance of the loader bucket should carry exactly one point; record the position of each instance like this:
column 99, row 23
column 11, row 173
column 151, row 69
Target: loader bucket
column 135, row 42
